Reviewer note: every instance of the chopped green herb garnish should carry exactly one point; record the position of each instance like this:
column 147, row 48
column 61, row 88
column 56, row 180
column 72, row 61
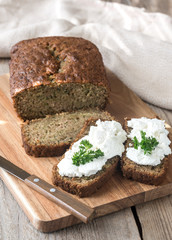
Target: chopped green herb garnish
column 85, row 154
column 136, row 142
column 148, row 144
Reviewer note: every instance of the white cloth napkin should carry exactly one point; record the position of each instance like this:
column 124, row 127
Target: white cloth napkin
column 136, row 45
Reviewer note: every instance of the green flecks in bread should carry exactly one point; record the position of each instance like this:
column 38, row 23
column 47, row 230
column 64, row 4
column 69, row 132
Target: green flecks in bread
column 52, row 135
column 56, row 74
column 37, row 102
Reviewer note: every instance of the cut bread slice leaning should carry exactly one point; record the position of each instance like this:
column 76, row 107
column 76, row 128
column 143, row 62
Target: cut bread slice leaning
column 147, row 174
column 52, row 135
column 85, row 186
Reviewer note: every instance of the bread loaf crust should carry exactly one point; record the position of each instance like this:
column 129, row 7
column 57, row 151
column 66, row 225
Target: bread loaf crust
column 153, row 175
column 36, row 61
column 43, row 150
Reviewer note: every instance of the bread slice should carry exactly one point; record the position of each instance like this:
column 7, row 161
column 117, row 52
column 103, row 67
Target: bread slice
column 85, row 186
column 52, row 135
column 142, row 173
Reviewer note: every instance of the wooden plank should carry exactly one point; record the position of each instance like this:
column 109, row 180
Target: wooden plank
column 120, row 224
column 118, row 193
column 156, row 219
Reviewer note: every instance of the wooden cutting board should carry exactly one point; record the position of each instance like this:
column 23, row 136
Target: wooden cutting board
column 116, row 194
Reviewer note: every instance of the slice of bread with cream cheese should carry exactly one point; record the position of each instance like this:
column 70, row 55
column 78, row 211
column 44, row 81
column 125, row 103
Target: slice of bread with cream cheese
column 84, row 175
column 147, row 150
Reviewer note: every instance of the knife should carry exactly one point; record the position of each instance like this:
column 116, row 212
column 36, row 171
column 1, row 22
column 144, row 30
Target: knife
column 63, row 199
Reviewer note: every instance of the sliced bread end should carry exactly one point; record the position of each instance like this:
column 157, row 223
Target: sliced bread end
column 59, row 130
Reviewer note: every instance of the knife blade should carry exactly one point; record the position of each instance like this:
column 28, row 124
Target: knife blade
column 63, row 199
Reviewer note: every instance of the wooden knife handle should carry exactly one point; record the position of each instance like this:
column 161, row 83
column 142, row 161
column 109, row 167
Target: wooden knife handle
column 63, row 199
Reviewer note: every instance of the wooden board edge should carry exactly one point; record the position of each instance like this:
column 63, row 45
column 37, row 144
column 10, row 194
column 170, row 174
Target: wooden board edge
column 58, row 224
column 142, row 197
column 100, row 211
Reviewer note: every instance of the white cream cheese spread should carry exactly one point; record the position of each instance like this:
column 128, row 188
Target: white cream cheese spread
column 108, row 136
column 153, row 128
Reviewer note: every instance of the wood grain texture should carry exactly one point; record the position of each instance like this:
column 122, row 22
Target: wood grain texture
column 120, row 224
column 156, row 219
column 116, row 194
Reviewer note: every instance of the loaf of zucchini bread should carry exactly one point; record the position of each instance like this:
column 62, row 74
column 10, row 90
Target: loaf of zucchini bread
column 52, row 135
column 50, row 75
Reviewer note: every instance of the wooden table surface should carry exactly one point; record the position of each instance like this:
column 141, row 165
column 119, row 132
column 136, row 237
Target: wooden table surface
column 152, row 220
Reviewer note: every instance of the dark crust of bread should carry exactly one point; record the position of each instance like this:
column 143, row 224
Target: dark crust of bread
column 34, row 60
column 153, row 175
column 85, row 186
column 43, row 150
